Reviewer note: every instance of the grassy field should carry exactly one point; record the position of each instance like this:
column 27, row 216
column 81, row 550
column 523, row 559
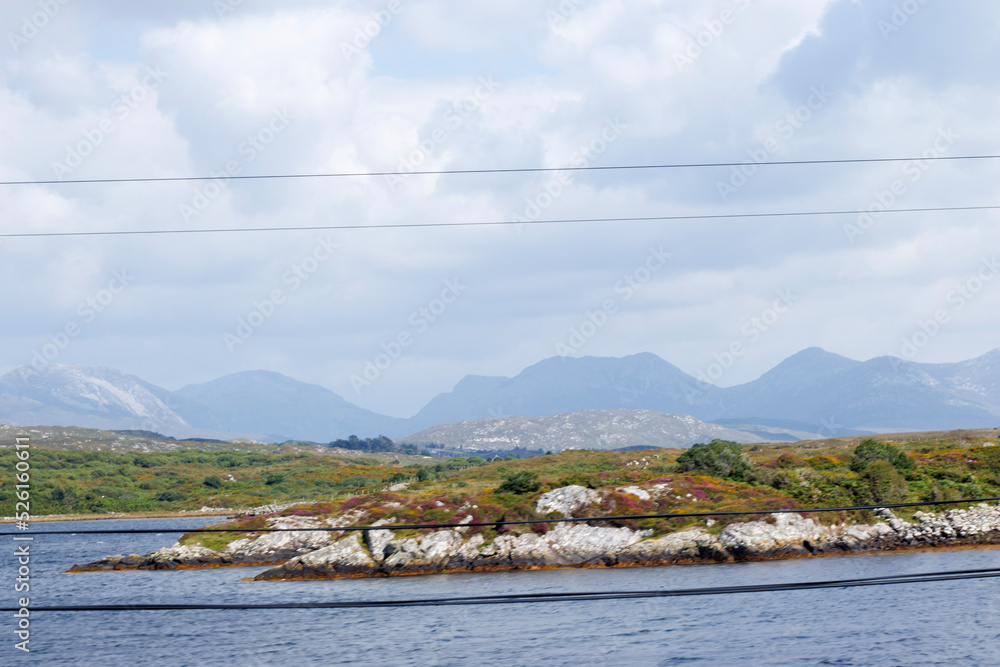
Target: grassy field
column 75, row 481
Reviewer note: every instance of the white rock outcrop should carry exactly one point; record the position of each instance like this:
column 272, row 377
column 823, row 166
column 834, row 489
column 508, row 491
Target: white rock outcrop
column 566, row 500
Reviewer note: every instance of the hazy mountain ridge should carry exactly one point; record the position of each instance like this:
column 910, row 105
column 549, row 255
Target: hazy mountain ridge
column 819, row 387
column 566, row 384
column 812, row 391
column 280, row 408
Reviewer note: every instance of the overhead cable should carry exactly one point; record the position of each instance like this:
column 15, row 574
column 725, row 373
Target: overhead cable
column 504, row 522
column 958, row 575
column 513, row 170
column 496, row 223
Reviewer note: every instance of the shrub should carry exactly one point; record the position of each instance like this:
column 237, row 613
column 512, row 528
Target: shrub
column 581, row 479
column 822, row 462
column 212, row 481
column 520, row 483
column 274, row 478
column 356, row 482
column 787, row 461
column 719, row 458
column 423, row 475
column 170, row 496
column 883, row 484
column 776, row 479
column 871, row 450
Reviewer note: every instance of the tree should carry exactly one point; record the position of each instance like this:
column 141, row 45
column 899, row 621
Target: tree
column 719, row 458
column 520, row 483
column 423, row 475
column 871, row 450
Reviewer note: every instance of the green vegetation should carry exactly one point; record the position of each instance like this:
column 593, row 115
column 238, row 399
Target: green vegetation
column 871, row 450
column 379, row 444
column 520, row 483
column 719, row 458
column 881, row 483
column 85, row 482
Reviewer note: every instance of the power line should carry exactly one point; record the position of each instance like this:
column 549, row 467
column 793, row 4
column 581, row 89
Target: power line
column 524, row 598
column 517, row 170
column 503, row 522
column 494, row 223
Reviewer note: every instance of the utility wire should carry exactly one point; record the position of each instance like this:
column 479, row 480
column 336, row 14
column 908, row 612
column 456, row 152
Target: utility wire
column 503, row 522
column 494, row 223
column 519, row 170
column 958, row 575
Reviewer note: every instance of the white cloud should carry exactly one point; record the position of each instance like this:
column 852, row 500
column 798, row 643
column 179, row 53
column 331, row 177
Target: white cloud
column 560, row 78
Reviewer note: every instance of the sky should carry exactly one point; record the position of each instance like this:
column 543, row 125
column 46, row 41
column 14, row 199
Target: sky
column 389, row 317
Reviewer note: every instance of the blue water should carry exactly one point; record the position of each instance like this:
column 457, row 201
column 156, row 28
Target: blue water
column 954, row 623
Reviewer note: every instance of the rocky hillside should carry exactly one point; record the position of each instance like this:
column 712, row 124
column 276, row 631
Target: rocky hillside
column 589, row 429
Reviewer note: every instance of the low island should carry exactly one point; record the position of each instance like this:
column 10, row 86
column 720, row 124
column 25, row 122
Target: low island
column 714, row 477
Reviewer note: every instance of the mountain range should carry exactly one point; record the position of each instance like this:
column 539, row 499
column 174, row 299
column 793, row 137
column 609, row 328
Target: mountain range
column 811, row 392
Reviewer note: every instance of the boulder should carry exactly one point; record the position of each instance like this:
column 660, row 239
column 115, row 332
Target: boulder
column 344, row 558
column 580, row 543
column 566, row 500
column 790, row 534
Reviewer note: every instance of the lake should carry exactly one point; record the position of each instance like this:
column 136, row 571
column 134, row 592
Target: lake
column 913, row 624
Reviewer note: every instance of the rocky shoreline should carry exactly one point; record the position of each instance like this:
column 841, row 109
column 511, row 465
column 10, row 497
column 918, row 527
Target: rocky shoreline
column 378, row 553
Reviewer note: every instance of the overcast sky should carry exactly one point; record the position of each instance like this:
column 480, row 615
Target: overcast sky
column 109, row 88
